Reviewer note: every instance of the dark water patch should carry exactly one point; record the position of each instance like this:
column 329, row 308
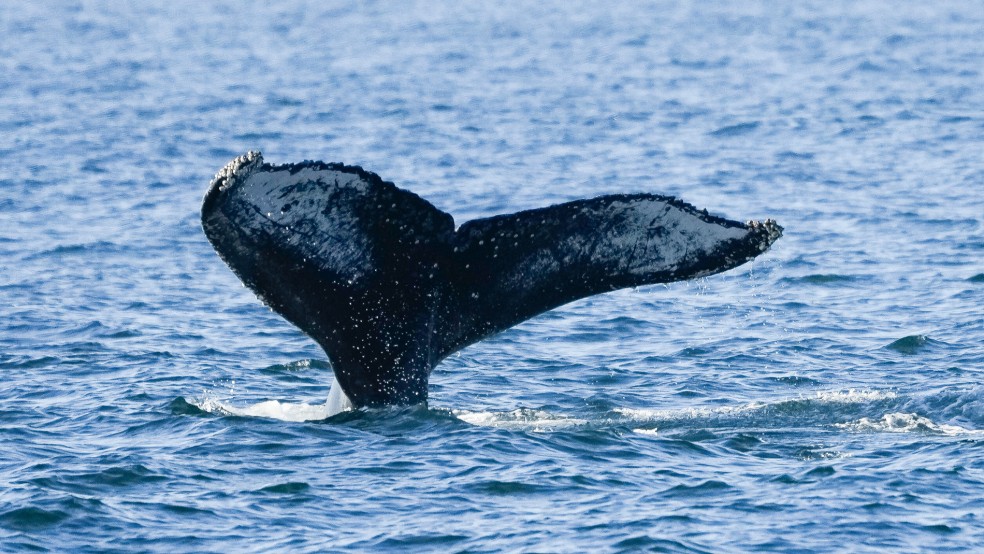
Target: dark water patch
column 869, row 66
column 735, row 130
column 507, row 488
column 182, row 510
column 20, row 362
column 423, row 540
column 787, row 479
column 121, row 476
column 914, row 344
column 897, row 39
column 824, row 279
column 590, row 336
column 685, row 448
column 821, row 471
column 88, row 248
column 123, row 334
column 956, row 119
column 590, row 481
column 743, row 442
column 299, row 366
column 701, row 63
column 94, row 165
column 84, row 347
column 26, row 546
column 694, row 352
column 979, row 278
column 645, row 543
column 871, row 120
column 90, row 329
column 790, row 155
column 258, row 137
column 711, row 487
column 180, row 406
column 941, row 529
column 220, row 153
column 293, row 487
column 395, row 467
column 798, row 381
column 623, row 323
column 285, row 101
column 879, row 506
column 32, row 519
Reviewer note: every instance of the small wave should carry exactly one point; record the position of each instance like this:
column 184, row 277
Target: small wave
column 23, row 362
column 31, row 518
column 822, row 279
column 791, row 155
column 913, row 344
column 979, row 278
column 798, row 381
column 292, row 487
column 84, row 248
column 711, row 487
column 905, row 423
column 298, row 365
column 701, row 63
column 735, row 130
column 788, row 406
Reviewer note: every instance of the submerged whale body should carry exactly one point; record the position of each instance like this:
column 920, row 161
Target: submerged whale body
column 383, row 281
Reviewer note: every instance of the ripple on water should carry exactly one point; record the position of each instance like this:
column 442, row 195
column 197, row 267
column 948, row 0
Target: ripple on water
column 32, row 519
column 826, row 279
column 822, row 398
column 914, row 344
column 289, row 488
column 736, row 130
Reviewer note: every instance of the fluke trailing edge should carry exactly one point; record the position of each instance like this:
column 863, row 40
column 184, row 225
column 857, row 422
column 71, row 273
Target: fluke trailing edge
column 384, row 283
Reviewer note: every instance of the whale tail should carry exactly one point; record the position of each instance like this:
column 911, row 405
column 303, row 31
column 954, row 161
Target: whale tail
column 381, row 279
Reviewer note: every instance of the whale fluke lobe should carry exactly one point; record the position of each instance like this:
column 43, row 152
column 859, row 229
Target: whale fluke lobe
column 384, row 283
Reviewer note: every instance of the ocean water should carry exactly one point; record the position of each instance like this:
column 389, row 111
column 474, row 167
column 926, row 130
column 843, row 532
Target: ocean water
column 827, row 397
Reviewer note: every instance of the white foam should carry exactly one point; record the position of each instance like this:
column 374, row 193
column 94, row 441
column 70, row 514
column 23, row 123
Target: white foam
column 905, row 423
column 647, row 414
column 853, row 396
column 274, row 409
column 520, row 419
column 284, row 411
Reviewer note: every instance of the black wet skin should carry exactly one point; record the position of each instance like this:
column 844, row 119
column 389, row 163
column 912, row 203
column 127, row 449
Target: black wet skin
column 416, row 290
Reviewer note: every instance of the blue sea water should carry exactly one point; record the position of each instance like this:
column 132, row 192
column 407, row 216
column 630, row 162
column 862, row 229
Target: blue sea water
column 827, row 397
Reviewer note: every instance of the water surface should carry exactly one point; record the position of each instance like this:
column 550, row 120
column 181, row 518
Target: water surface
column 825, row 397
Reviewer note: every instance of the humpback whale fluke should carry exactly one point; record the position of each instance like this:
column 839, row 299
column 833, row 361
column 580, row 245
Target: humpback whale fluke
column 381, row 279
